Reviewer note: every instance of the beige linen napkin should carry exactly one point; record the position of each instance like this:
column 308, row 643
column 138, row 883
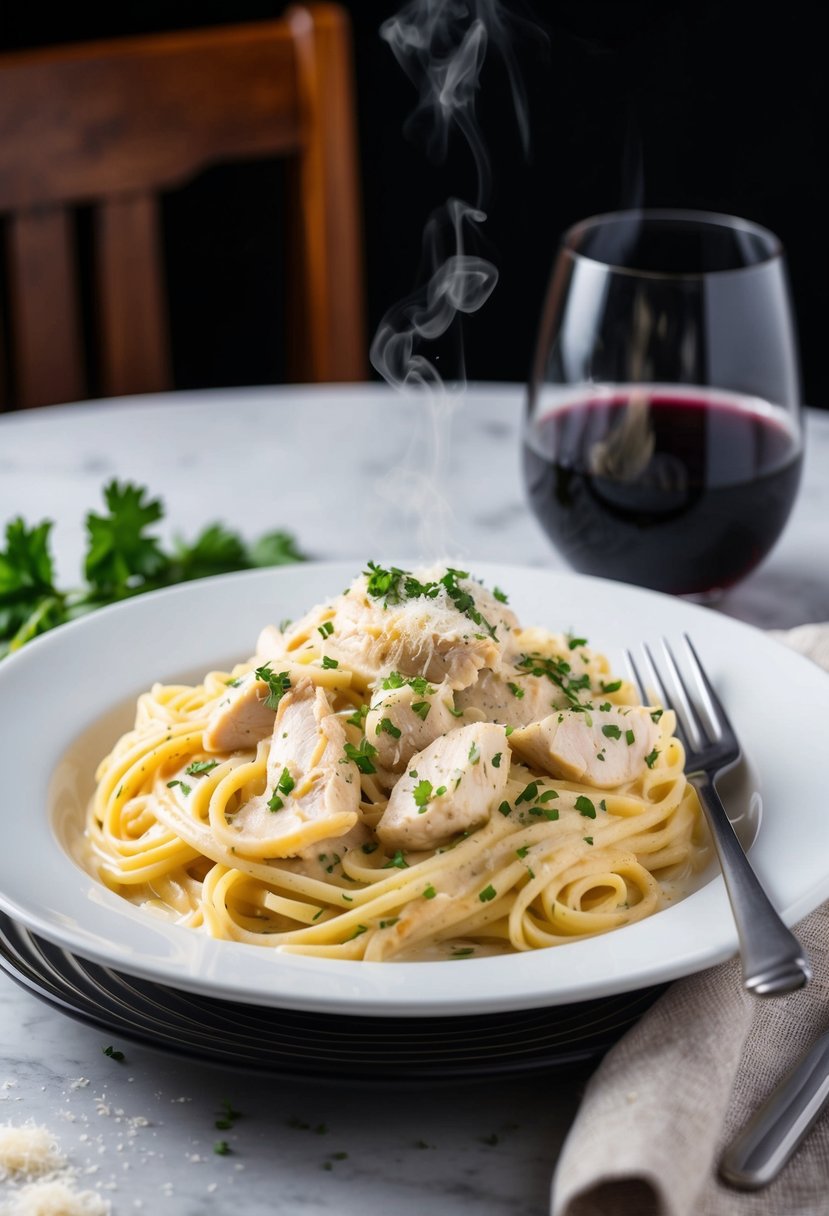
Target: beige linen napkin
column 666, row 1100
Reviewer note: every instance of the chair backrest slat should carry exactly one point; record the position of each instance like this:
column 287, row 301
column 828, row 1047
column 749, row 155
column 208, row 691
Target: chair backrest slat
column 132, row 317
column 43, row 291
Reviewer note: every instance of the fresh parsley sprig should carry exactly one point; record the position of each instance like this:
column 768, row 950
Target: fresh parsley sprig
column 123, row 558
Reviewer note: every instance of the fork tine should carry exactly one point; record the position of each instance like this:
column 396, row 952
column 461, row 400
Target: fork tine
column 662, row 694
column 714, row 706
column 692, row 722
column 637, row 679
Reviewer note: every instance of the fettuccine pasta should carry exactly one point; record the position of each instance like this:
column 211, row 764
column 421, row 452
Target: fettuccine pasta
column 405, row 773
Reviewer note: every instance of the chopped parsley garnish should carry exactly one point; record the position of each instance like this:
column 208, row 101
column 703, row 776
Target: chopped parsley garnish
column 487, row 894
column 611, row 732
column 558, row 671
column 421, row 793
column 357, row 933
column 613, row 686
column 651, row 759
column 361, row 755
column 185, row 788
column 462, row 951
column 421, row 708
column 528, row 794
column 326, row 629
column 508, row 730
column 358, row 717
column 603, row 805
column 387, row 924
column 547, row 796
column 630, row 737
column 285, row 783
column 585, row 807
column 418, row 684
column 523, row 851
column 575, row 642
column 550, row 813
column 474, row 754
column 456, row 713
column 429, row 892
column 386, row 724
column 275, row 803
column 398, row 862
column 656, row 714
column 505, row 808
column 440, row 791
column 516, row 690
column 587, row 839
column 371, row 847
column 199, row 767
column 278, row 684
column 500, row 595
column 496, row 760
column 395, row 585
column 329, row 664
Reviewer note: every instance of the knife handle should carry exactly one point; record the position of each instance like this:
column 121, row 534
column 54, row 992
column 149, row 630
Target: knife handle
column 757, row 1153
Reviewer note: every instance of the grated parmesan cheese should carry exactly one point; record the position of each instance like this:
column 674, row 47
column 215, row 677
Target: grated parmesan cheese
column 54, row 1198
column 29, row 1150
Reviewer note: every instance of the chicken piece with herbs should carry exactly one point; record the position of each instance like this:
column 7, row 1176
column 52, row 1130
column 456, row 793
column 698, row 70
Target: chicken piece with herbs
column 604, row 748
column 312, row 790
column 245, row 715
column 437, row 623
column 451, row 787
column 406, row 714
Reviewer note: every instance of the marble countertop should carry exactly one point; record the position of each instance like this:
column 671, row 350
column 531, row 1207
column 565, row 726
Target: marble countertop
column 346, row 471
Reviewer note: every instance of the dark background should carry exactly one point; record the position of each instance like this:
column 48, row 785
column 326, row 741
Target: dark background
column 702, row 104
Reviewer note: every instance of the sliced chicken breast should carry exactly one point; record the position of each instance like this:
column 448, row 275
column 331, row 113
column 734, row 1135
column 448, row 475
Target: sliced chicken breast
column 313, row 789
column 406, row 717
column 241, row 719
column 451, row 787
column 414, row 624
column 602, row 747
column 509, row 695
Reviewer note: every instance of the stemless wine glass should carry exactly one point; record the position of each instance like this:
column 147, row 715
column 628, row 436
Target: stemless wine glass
column 663, row 441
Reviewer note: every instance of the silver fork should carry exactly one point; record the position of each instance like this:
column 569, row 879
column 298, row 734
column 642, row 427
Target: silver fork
column 773, row 961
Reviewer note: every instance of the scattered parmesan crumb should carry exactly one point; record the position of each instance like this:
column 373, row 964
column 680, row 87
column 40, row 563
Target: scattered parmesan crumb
column 79, row 1083
column 55, row 1198
column 29, row 1150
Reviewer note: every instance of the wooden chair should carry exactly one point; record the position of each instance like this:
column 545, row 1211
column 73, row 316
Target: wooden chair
column 112, row 125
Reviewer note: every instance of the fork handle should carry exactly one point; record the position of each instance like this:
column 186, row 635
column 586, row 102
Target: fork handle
column 772, row 958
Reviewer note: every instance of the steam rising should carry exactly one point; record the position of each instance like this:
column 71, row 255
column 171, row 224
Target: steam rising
column 441, row 45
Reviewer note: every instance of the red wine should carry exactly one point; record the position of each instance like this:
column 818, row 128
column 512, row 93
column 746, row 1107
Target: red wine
column 681, row 493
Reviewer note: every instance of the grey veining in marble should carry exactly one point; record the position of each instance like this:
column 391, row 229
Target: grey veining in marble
column 345, row 470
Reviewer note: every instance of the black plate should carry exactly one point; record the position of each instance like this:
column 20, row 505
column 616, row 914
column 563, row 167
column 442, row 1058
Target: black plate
column 316, row 1046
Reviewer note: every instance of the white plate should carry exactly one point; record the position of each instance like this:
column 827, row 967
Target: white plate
column 66, row 697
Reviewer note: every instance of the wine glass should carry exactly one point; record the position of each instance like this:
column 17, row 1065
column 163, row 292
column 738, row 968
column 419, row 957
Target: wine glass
column 663, row 442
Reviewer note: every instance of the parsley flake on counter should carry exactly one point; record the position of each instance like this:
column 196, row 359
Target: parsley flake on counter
column 221, row 1148
column 113, row 1054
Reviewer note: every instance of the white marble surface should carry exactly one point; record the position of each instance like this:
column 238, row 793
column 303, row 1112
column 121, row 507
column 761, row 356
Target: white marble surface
column 340, row 468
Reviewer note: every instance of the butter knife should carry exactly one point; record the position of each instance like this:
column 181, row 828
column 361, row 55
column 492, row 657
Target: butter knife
column 759, row 1151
